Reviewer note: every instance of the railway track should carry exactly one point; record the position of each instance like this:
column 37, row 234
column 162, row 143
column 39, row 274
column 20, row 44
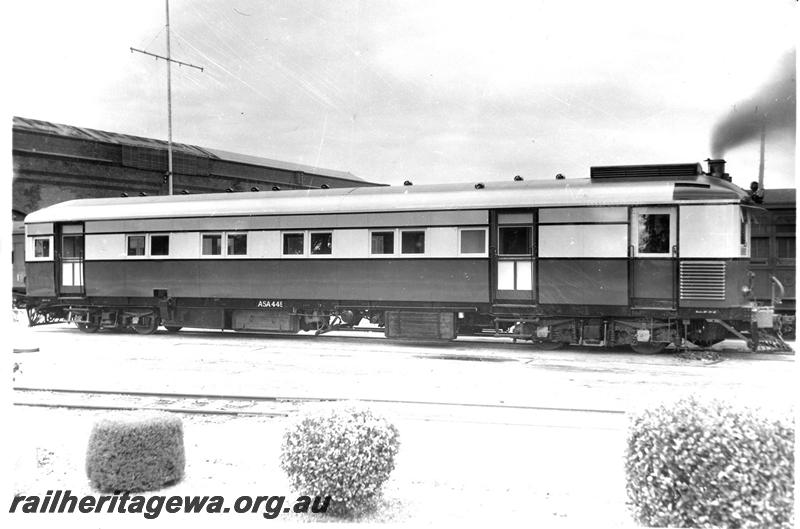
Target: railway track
column 284, row 406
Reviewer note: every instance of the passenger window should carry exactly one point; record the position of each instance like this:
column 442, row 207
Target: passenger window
column 654, row 233
column 292, row 244
column 473, row 241
column 41, row 247
column 212, row 244
column 382, row 242
column 515, row 240
column 321, row 243
column 412, row 242
column 237, row 244
column 136, row 245
column 159, row 245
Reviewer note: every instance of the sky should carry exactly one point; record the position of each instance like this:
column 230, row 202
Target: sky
column 424, row 90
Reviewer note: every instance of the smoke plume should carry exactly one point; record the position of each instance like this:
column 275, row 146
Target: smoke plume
column 773, row 107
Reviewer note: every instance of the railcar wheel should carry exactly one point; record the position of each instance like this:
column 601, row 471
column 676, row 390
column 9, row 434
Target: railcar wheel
column 173, row 328
column 91, row 327
column 145, row 324
column 648, row 348
column 548, row 345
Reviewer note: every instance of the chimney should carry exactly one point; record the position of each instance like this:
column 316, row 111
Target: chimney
column 717, row 168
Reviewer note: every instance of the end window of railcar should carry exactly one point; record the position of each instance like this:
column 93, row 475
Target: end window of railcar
column 212, row 244
column 321, row 243
column 293, row 243
column 473, row 241
column 237, row 244
column 654, row 233
column 41, row 247
column 412, row 242
column 514, row 240
column 159, row 245
column 136, row 245
column 382, row 242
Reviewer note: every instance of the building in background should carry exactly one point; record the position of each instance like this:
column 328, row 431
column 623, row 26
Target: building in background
column 53, row 163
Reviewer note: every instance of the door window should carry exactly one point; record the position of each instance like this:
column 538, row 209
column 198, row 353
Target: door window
column 653, row 232
column 72, row 261
column 514, row 240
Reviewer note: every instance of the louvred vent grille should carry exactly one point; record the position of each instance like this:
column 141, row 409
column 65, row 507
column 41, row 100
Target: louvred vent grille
column 703, row 280
column 677, row 171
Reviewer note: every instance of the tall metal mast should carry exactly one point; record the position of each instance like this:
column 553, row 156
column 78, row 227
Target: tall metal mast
column 169, row 107
column 169, row 61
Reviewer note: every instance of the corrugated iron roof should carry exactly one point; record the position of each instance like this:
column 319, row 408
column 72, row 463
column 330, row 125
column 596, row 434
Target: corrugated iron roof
column 46, row 127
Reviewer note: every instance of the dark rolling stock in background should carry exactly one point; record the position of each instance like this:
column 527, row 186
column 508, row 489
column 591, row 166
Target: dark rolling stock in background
column 773, row 254
column 644, row 256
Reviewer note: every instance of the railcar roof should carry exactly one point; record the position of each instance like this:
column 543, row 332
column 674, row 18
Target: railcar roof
column 493, row 195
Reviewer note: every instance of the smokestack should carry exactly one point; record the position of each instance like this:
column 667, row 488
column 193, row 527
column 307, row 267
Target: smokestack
column 716, row 167
column 761, row 159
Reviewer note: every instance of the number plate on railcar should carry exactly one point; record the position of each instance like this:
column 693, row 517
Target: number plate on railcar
column 269, row 304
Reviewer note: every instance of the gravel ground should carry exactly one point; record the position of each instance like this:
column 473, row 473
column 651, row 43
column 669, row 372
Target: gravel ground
column 459, row 466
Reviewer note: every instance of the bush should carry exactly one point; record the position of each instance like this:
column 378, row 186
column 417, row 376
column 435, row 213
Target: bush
column 708, row 464
column 345, row 452
column 135, row 452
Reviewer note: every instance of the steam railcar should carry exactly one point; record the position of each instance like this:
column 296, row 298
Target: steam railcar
column 637, row 255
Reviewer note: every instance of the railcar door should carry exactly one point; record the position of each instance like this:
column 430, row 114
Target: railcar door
column 69, row 257
column 653, row 255
column 514, row 258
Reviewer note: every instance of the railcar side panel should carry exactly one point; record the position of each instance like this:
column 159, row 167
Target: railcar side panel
column 653, row 282
column 583, row 281
column 292, row 222
column 40, row 278
column 710, row 231
column 442, row 280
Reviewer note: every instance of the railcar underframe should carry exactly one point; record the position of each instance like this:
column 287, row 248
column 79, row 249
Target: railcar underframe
column 549, row 326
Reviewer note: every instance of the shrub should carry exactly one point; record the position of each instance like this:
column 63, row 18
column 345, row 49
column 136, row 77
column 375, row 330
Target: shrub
column 135, row 452
column 708, row 464
column 345, row 452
